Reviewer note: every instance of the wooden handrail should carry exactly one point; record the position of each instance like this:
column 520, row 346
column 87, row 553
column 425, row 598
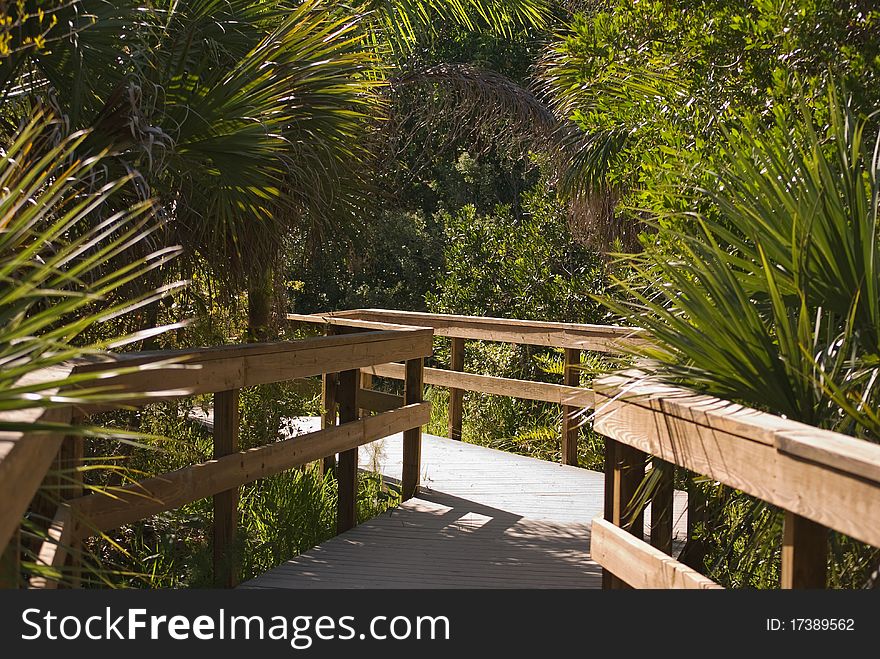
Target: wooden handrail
column 124, row 505
column 601, row 338
column 823, row 480
column 488, row 384
column 569, row 336
column 173, row 374
column 145, row 377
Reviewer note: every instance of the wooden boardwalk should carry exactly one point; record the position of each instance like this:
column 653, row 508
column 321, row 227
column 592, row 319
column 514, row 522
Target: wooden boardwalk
column 483, row 519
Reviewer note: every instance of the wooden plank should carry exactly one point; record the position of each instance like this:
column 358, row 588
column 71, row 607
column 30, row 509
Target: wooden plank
column 661, row 505
column 208, row 370
column 412, row 437
column 704, row 410
column 804, row 553
column 371, row 400
column 488, row 384
column 639, row 564
column 627, row 470
column 124, row 505
column 417, row 547
column 54, row 551
column 70, row 461
column 853, row 456
column 609, row 581
column 456, row 395
column 571, row 426
column 25, row 457
column 329, row 384
column 226, row 431
column 483, row 518
column 366, row 385
column 693, row 554
column 346, row 469
column 490, row 478
column 331, row 320
column 602, row 338
column 843, row 501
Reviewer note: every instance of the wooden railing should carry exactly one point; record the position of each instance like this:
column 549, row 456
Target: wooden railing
column 572, row 338
column 822, row 480
column 25, row 458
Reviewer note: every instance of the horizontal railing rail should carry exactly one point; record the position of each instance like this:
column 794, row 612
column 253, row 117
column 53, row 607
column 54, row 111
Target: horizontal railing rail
column 571, row 337
column 134, row 379
column 822, row 480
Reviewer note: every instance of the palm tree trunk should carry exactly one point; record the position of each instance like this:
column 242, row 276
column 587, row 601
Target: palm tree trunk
column 260, row 303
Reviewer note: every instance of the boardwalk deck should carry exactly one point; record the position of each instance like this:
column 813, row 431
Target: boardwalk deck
column 483, row 519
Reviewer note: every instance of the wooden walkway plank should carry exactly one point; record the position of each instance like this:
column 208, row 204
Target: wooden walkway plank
column 483, row 518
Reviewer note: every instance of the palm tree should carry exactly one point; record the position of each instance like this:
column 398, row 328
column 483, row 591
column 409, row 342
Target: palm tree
column 246, row 118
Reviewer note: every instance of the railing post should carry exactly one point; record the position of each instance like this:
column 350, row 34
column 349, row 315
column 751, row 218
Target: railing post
column 226, row 429
column 412, row 438
column 804, row 552
column 70, row 459
column 10, row 563
column 570, row 425
column 366, row 383
column 694, row 553
column 346, row 469
column 329, row 386
column 456, row 396
column 661, row 505
column 624, row 472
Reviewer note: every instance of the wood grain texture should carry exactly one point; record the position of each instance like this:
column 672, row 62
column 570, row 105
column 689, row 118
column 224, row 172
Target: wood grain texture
column 172, row 374
column 329, row 384
column 804, row 553
column 456, row 395
column 346, row 468
column 639, row 564
column 53, row 553
column 489, row 384
column 749, row 461
column 700, row 409
column 25, row 457
column 483, row 518
column 412, row 438
column 370, row 400
column 571, row 422
column 661, row 505
column 10, row 563
column 602, row 338
column 833, row 450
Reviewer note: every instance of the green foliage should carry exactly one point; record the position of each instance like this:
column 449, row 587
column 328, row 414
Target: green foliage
column 389, row 263
column 656, row 82
column 279, row 517
column 524, row 266
column 770, row 298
